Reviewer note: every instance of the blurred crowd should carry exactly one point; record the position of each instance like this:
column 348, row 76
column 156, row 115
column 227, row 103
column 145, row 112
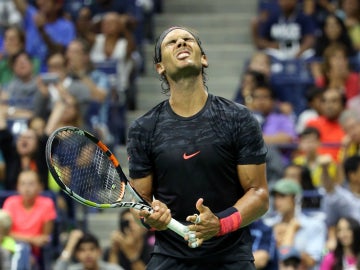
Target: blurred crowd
column 77, row 62
column 302, row 84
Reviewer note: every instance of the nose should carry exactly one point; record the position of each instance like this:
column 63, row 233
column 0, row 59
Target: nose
column 180, row 42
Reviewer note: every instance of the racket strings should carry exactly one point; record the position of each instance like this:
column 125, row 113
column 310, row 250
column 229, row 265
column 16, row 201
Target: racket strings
column 85, row 168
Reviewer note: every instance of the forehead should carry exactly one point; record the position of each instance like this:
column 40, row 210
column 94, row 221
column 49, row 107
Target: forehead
column 176, row 33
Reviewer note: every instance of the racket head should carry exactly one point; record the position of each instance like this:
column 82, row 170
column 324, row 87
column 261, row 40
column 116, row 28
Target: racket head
column 85, row 168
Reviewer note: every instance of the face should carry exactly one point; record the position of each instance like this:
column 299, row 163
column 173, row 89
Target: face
column 352, row 128
column 344, row 233
column 12, row 42
column 72, row 111
column 284, row 204
column 27, row 143
column 262, row 100
column 287, row 5
column 350, row 6
column 56, row 64
column 134, row 226
column 110, row 25
column 338, row 62
column 23, row 66
column 309, row 144
column 28, row 185
column 47, row 6
column 181, row 56
column 293, row 172
column 88, row 254
column 75, row 56
column 332, row 104
column 332, row 28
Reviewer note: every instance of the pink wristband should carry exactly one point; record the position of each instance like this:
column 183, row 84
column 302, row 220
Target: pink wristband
column 230, row 220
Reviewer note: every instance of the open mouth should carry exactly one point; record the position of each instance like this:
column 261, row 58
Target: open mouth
column 182, row 55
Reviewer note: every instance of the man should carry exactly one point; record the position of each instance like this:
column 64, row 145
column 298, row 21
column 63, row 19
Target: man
column 86, row 250
column 296, row 227
column 197, row 153
column 331, row 133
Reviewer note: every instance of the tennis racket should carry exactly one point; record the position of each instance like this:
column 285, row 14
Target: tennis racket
column 89, row 172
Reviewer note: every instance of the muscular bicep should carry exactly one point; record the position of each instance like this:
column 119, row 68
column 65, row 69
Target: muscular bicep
column 144, row 187
column 255, row 201
column 252, row 176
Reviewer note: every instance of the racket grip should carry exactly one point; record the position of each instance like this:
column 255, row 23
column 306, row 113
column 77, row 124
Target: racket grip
column 177, row 227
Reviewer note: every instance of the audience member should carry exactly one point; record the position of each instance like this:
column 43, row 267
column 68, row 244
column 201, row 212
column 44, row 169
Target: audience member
column 82, row 251
column 264, row 246
column 350, row 122
column 331, row 132
column 84, row 27
column 347, row 250
column 313, row 97
column 7, row 243
column 333, row 32
column 22, row 90
column 33, row 217
column 341, row 201
column 337, row 72
column 14, row 42
column 289, row 34
column 298, row 228
column 131, row 244
column 307, row 155
column 24, row 152
column 351, row 11
column 43, row 25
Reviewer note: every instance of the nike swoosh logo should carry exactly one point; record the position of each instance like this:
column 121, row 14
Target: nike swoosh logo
column 185, row 156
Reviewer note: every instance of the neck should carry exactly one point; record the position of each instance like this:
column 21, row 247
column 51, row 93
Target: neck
column 288, row 217
column 187, row 96
column 355, row 188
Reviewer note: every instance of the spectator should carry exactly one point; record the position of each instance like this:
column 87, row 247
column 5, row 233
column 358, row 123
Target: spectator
column 337, row 72
column 289, row 34
column 131, row 244
column 14, row 42
column 350, row 122
column 333, row 32
column 116, row 42
column 264, row 246
column 7, row 243
column 22, row 90
column 85, row 249
column 347, row 248
column 351, row 10
column 296, row 225
column 80, row 68
column 27, row 151
column 308, row 146
column 313, row 98
column 33, row 216
column 43, row 25
column 84, row 27
column 341, row 201
column 331, row 133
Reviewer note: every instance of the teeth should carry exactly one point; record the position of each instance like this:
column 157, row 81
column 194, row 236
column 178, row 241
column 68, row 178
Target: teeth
column 182, row 55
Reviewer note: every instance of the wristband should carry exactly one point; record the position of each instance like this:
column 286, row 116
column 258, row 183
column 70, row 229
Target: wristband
column 230, row 220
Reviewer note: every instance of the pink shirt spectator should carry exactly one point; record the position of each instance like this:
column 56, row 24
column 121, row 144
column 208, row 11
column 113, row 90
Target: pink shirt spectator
column 329, row 260
column 30, row 221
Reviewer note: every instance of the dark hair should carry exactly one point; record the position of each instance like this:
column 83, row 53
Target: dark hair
column 312, row 93
column 17, row 55
column 259, row 77
column 310, row 131
column 351, row 164
column 157, row 55
column 355, row 247
column 266, row 86
column 85, row 239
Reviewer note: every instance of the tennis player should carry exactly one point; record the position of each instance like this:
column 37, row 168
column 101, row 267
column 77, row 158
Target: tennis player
column 202, row 158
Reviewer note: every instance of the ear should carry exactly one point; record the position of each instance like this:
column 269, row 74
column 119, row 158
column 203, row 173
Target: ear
column 160, row 68
column 204, row 61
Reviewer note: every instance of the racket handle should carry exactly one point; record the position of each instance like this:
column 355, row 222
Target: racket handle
column 177, row 227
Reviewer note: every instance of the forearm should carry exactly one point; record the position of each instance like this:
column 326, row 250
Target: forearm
column 21, row 6
column 252, row 205
column 53, row 46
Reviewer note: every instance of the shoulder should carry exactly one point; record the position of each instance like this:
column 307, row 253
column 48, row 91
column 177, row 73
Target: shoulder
column 148, row 121
column 12, row 200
